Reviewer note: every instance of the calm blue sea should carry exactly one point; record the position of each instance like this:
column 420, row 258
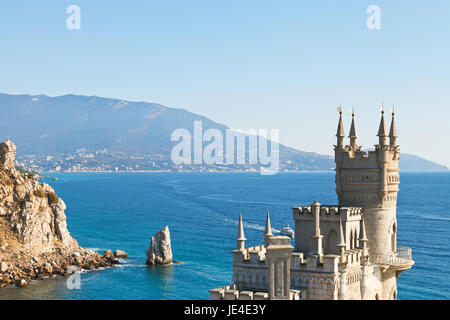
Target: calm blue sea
column 123, row 210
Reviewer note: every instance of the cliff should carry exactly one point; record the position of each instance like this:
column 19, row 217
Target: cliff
column 34, row 240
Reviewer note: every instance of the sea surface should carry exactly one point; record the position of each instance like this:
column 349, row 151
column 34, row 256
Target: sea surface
column 123, row 211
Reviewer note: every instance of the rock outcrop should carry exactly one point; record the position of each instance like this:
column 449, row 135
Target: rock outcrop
column 160, row 250
column 34, row 240
column 7, row 154
column 120, row 254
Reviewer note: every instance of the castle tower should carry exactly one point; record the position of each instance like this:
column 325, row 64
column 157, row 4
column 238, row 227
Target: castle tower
column 370, row 180
column 278, row 257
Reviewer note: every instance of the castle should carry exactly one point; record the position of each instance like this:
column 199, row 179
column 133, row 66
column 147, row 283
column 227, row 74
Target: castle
column 346, row 251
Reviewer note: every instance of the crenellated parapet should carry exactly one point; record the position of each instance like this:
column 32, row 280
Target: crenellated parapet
column 328, row 219
column 231, row 292
column 251, row 255
column 328, row 213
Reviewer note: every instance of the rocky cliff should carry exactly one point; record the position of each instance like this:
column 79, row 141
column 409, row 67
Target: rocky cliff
column 34, row 240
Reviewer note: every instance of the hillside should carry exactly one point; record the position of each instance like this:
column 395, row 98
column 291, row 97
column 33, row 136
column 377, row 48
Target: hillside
column 56, row 131
column 80, row 133
column 410, row 162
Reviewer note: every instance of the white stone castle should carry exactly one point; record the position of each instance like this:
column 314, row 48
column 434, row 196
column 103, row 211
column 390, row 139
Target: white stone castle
column 342, row 252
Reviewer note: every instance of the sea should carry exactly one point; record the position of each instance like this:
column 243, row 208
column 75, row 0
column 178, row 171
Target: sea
column 123, row 210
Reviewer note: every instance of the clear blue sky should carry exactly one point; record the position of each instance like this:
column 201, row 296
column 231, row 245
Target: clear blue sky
column 247, row 64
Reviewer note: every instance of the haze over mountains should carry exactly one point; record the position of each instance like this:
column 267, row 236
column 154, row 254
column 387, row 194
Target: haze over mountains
column 80, row 133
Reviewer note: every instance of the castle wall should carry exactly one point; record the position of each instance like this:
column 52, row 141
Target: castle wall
column 374, row 284
column 329, row 227
column 318, row 287
column 380, row 224
column 389, row 284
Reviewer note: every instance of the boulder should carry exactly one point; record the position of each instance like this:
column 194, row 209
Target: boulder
column 108, row 254
column 48, row 268
column 120, row 254
column 71, row 269
column 7, row 154
column 3, row 267
column 23, row 283
column 160, row 250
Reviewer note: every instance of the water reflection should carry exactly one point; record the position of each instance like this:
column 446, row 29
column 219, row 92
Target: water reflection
column 51, row 289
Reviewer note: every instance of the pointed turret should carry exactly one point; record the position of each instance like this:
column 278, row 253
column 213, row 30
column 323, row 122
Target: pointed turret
column 340, row 130
column 362, row 235
column 382, row 129
column 393, row 130
column 353, row 134
column 240, row 239
column 268, row 228
column 341, row 241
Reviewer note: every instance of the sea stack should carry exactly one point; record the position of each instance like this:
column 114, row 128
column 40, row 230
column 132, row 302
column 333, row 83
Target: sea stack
column 160, row 250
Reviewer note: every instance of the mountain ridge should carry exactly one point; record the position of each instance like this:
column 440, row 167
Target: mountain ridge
column 108, row 134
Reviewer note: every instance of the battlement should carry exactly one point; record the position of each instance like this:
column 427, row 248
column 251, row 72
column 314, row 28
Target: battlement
column 368, row 159
column 231, row 292
column 328, row 213
column 251, row 255
column 254, row 258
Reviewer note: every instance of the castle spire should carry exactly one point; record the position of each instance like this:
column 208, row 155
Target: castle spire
column 382, row 129
column 268, row 228
column 353, row 134
column 362, row 235
column 393, row 130
column 340, row 130
column 240, row 239
column 341, row 241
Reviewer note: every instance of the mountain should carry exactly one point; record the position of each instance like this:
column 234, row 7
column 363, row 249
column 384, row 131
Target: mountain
column 81, row 133
column 410, row 162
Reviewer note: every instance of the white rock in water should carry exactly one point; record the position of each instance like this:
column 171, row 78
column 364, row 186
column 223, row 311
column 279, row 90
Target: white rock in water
column 160, row 250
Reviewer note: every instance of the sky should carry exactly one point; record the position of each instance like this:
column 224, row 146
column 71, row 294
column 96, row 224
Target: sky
column 247, row 64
